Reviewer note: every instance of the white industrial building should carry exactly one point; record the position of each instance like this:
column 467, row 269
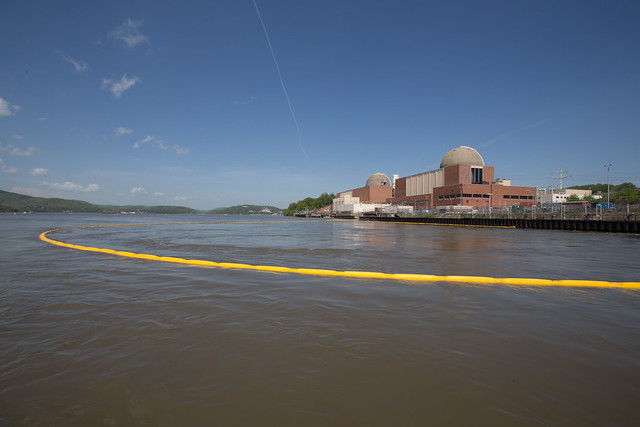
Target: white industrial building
column 347, row 204
column 546, row 196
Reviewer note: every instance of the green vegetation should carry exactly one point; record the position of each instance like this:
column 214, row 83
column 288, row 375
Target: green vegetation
column 310, row 204
column 247, row 210
column 13, row 202
column 621, row 193
column 593, row 187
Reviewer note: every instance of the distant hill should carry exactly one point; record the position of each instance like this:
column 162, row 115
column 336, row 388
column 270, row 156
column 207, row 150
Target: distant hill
column 247, row 210
column 14, row 202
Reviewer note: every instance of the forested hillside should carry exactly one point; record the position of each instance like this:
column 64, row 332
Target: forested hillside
column 14, row 202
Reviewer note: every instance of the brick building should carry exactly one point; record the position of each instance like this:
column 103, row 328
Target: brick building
column 462, row 182
column 372, row 196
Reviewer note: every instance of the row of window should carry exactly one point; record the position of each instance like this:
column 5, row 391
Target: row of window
column 482, row 196
column 506, row 196
column 455, row 196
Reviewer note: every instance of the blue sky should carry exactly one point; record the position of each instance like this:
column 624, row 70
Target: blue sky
column 192, row 103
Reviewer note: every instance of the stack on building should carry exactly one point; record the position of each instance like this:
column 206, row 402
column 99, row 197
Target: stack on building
column 462, row 184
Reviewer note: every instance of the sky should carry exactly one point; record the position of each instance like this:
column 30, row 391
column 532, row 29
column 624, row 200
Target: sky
column 208, row 104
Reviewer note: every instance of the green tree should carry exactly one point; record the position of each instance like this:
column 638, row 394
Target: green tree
column 309, row 204
column 626, row 196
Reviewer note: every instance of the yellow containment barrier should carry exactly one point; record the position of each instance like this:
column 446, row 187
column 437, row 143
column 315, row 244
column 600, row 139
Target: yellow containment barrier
column 325, row 272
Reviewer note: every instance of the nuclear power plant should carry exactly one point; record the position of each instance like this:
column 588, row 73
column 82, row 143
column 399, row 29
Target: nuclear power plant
column 463, row 183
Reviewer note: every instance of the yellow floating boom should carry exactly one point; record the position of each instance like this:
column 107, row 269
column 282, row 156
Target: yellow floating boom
column 338, row 273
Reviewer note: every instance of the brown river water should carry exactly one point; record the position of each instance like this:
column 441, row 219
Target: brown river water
column 97, row 339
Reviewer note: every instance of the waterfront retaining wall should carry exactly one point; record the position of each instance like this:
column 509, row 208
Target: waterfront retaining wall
column 541, row 224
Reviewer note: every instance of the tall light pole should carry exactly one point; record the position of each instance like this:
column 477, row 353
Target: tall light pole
column 490, row 201
column 608, row 167
column 533, row 203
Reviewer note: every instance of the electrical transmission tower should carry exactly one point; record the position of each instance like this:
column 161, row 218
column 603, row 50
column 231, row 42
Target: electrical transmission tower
column 561, row 176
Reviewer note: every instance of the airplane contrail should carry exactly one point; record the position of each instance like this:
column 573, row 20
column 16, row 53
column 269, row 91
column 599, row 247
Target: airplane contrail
column 284, row 89
column 529, row 126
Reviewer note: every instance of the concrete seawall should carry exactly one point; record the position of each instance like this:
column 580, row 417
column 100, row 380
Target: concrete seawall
column 541, row 224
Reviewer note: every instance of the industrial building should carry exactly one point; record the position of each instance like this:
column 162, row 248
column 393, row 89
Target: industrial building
column 563, row 194
column 462, row 183
column 374, row 196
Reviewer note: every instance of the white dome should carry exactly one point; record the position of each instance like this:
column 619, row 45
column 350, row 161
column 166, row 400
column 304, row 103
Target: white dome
column 462, row 155
column 378, row 180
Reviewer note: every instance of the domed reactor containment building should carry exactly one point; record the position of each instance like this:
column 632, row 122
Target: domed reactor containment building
column 462, row 182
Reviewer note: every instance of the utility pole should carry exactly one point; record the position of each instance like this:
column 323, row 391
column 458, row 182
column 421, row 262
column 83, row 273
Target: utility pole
column 608, row 167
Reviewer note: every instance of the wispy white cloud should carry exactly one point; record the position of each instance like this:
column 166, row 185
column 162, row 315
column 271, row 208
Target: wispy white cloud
column 39, row 171
column 180, row 198
column 160, row 144
column 77, row 64
column 17, row 136
column 118, row 87
column 70, row 186
column 138, row 190
column 181, row 150
column 7, row 109
column 5, row 169
column 120, row 131
column 158, row 193
column 17, row 151
column 129, row 33
column 146, row 139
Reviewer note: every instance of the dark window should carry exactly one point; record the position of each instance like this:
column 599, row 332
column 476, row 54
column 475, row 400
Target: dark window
column 506, row 196
column 466, row 195
column 476, row 175
column 485, row 196
column 477, row 196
